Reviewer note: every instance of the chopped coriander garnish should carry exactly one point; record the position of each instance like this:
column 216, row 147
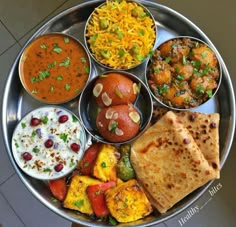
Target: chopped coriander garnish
column 66, row 40
column 74, row 119
column 63, row 136
column 163, row 89
column 59, row 77
column 103, row 165
column 56, row 48
column 34, row 91
column 83, row 59
column 23, row 125
column 16, row 145
column 209, row 93
column 43, row 46
column 79, row 203
column 34, row 80
column 36, row 150
column 168, row 59
column 33, row 134
column 120, row 35
column 200, row 89
column 53, row 199
column 67, row 87
column 151, row 52
column 44, row 120
column 44, row 74
column 112, row 220
column 86, row 69
column 65, row 62
column 113, row 126
column 52, row 65
column 157, row 70
column 47, row 170
column 204, row 54
column 180, row 77
column 72, row 164
column 196, row 64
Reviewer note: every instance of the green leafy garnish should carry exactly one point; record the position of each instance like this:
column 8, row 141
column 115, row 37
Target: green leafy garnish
column 47, row 170
column 65, row 62
column 196, row 65
column 43, row 46
column 67, row 87
column 200, row 89
column 52, row 65
column 66, row 40
column 163, row 89
column 157, row 70
column 204, row 54
column 33, row 134
column 16, row 145
column 23, row 125
column 74, row 119
column 83, row 59
column 72, row 164
column 168, row 59
column 180, row 77
column 36, row 150
column 112, row 220
column 53, row 199
column 34, row 91
column 59, row 77
column 113, row 126
column 34, row 80
column 103, row 165
column 63, row 136
column 209, row 93
column 79, row 203
column 44, row 120
column 43, row 75
column 56, row 48
column 140, row 57
column 86, row 69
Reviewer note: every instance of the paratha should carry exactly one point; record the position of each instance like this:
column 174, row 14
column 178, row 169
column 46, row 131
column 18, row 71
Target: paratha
column 204, row 129
column 168, row 163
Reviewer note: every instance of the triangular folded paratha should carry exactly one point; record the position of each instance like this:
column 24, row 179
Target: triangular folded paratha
column 204, row 129
column 168, row 162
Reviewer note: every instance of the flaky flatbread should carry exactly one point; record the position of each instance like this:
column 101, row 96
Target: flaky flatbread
column 204, row 129
column 168, row 162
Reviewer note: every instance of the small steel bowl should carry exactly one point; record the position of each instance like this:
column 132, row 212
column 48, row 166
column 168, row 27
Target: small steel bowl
column 117, row 33
column 63, row 73
column 31, row 148
column 88, row 108
column 183, row 82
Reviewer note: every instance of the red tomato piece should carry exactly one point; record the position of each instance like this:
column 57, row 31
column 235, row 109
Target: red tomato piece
column 87, row 162
column 97, row 197
column 58, row 188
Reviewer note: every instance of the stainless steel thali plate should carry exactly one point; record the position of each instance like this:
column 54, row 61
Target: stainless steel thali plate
column 17, row 102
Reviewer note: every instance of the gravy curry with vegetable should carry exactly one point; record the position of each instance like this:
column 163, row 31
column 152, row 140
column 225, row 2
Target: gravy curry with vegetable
column 54, row 68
